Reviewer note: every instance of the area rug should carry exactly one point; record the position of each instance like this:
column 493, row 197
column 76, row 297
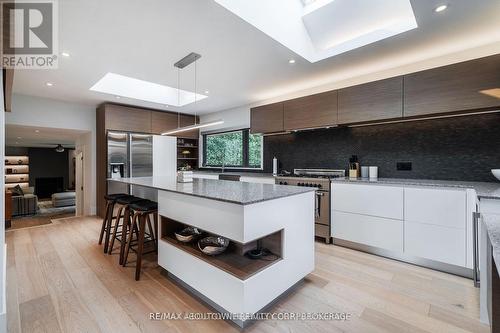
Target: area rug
column 46, row 208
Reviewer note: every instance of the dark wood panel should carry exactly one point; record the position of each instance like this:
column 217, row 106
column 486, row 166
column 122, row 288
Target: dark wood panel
column 267, row 119
column 319, row 110
column 8, row 75
column 452, row 88
column 123, row 118
column 379, row 100
column 101, row 161
column 163, row 121
column 188, row 120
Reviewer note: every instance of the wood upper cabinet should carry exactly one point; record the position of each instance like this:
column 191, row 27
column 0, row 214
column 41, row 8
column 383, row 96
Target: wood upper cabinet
column 267, row 119
column 123, row 118
column 312, row 111
column 163, row 121
column 188, row 120
column 372, row 101
column 452, row 88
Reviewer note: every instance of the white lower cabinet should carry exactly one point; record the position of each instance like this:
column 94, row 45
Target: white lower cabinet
column 425, row 222
column 369, row 230
column 435, row 242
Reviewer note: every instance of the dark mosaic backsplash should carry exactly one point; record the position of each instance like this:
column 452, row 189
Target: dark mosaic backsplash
column 460, row 148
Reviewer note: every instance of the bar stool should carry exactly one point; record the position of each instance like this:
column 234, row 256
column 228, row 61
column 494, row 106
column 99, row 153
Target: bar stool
column 142, row 210
column 123, row 204
column 108, row 218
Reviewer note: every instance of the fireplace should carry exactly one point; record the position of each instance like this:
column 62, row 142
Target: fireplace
column 46, row 186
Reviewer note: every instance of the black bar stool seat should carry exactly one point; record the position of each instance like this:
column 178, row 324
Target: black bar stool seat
column 114, row 196
column 144, row 206
column 127, row 200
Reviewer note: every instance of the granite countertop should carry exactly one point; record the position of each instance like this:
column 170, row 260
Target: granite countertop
column 492, row 223
column 484, row 190
column 242, row 193
column 242, row 174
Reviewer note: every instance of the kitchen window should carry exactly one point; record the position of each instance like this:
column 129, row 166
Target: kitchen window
column 234, row 149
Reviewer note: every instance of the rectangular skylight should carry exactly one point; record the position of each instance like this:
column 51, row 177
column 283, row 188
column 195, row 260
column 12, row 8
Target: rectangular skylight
column 124, row 86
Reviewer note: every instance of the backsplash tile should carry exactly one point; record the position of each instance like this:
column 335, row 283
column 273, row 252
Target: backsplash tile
column 459, row 148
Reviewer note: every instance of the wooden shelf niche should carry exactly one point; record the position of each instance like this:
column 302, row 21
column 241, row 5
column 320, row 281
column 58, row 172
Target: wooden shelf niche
column 233, row 260
column 16, row 171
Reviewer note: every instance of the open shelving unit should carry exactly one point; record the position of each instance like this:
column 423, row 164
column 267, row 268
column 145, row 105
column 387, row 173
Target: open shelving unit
column 16, row 171
column 187, row 153
column 233, row 260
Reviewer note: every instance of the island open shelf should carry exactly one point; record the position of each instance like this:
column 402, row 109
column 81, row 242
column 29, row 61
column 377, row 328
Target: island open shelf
column 233, row 260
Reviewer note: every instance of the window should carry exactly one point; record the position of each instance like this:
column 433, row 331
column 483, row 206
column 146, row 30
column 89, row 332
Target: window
column 235, row 149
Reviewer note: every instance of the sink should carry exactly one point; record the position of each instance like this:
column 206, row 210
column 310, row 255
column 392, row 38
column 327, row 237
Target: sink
column 496, row 173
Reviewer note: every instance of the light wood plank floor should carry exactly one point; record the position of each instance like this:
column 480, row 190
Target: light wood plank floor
column 58, row 280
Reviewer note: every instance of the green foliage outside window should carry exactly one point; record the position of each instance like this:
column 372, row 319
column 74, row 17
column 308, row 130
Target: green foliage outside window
column 233, row 149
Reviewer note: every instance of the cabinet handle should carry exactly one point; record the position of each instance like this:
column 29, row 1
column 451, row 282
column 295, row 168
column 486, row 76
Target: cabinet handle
column 475, row 234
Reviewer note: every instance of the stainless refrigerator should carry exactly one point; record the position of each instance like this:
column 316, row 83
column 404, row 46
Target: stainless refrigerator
column 130, row 155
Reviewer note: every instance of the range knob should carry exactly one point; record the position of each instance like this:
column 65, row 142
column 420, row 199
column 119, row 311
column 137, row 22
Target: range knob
column 281, row 183
column 300, row 184
column 285, row 183
column 320, row 186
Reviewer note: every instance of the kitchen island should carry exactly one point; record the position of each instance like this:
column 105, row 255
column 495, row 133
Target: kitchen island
column 274, row 217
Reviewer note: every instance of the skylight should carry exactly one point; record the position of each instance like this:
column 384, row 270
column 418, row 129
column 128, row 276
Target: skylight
column 319, row 29
column 124, row 86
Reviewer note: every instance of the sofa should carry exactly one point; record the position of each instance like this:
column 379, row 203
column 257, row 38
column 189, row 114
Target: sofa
column 24, row 202
column 63, row 199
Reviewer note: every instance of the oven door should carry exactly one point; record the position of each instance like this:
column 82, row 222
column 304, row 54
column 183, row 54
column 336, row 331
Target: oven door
column 322, row 207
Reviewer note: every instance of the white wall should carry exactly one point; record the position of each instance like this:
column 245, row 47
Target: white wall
column 3, row 252
column 49, row 113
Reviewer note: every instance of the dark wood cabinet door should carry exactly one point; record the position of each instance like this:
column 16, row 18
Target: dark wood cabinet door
column 123, row 118
column 452, row 88
column 379, row 100
column 267, row 119
column 319, row 110
column 188, row 120
column 163, row 121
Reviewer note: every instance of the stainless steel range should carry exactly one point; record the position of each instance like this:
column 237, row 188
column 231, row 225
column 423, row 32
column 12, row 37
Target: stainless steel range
column 320, row 179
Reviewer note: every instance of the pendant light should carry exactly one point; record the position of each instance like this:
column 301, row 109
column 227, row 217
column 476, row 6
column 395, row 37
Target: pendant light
column 59, row 148
column 187, row 60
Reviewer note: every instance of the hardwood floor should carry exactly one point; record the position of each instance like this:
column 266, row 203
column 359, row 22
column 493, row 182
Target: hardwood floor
column 59, row 280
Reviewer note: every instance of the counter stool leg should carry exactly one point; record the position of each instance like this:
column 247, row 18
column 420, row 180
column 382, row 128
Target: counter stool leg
column 140, row 245
column 104, row 222
column 129, row 241
column 156, row 231
column 115, row 229
column 125, row 225
column 109, row 224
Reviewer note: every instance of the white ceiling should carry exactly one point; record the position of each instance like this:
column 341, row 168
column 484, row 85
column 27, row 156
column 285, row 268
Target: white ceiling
column 27, row 136
column 240, row 64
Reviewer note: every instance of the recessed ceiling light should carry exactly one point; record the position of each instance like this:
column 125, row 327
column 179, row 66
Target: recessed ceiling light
column 37, row 131
column 117, row 97
column 17, row 142
column 65, row 54
column 207, row 92
column 167, row 106
column 291, row 61
column 49, row 84
column 19, row 138
column 440, row 8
